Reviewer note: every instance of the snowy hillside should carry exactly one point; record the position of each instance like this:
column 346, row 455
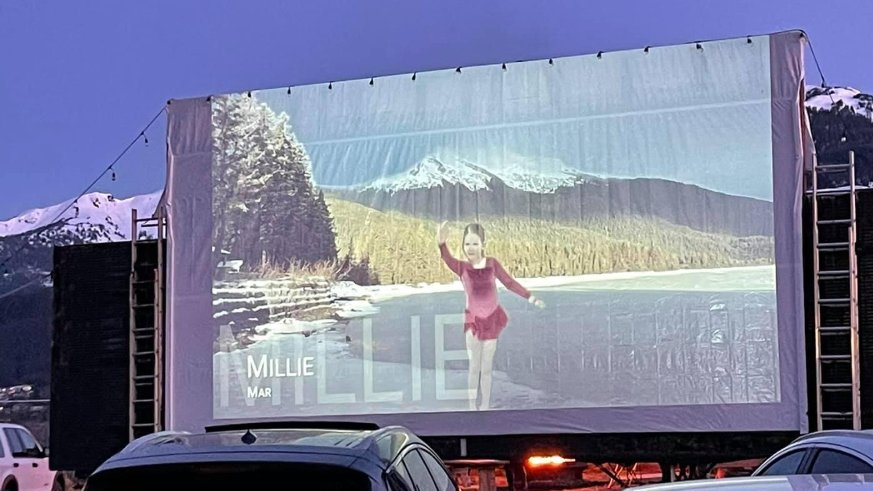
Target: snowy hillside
column 101, row 216
column 516, row 171
column 543, row 175
column 432, row 171
column 825, row 98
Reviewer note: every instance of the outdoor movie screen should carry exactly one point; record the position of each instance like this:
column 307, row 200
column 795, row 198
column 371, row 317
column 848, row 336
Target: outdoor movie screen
column 576, row 233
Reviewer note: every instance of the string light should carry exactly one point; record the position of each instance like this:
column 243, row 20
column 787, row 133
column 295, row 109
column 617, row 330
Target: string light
column 699, row 46
column 371, row 81
column 646, row 50
column 289, row 90
column 113, row 174
column 250, row 94
column 551, row 61
column 330, row 86
column 458, row 70
column 504, row 67
column 824, row 84
column 74, row 202
column 599, row 55
column 413, row 77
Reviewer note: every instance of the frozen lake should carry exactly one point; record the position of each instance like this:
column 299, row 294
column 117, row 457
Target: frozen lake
column 626, row 339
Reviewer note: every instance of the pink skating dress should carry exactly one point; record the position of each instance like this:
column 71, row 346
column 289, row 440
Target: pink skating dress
column 484, row 316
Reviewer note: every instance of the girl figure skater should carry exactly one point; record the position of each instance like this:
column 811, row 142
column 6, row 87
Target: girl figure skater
column 484, row 318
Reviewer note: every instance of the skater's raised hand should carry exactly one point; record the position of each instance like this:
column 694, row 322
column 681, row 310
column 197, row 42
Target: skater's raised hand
column 442, row 232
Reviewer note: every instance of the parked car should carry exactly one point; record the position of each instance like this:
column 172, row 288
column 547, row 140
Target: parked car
column 823, row 452
column 23, row 462
column 808, row 482
column 276, row 456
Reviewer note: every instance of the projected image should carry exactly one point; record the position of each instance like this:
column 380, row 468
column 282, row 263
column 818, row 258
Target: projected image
column 496, row 240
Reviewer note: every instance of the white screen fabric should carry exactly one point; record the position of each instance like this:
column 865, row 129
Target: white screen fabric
column 590, row 244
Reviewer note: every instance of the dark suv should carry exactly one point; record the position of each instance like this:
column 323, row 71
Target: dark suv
column 319, row 457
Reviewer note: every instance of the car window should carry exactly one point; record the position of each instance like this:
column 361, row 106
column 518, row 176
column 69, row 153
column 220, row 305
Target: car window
column 2, row 452
column 785, row 465
column 31, row 447
column 836, row 462
column 389, row 445
column 15, row 446
column 399, row 479
column 438, row 472
column 418, row 472
column 221, row 476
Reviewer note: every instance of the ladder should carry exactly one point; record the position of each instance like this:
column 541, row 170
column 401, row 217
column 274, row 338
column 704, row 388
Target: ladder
column 146, row 324
column 835, row 265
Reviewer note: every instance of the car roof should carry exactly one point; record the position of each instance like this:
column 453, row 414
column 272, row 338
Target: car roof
column 858, row 440
column 814, row 482
column 371, row 450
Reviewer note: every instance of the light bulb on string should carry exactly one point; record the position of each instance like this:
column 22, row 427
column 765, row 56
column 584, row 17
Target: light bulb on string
column 113, row 174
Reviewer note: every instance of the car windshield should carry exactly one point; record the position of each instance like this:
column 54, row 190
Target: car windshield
column 214, row 476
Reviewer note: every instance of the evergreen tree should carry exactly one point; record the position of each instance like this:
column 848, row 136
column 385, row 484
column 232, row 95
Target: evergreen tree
column 321, row 229
column 837, row 131
column 264, row 204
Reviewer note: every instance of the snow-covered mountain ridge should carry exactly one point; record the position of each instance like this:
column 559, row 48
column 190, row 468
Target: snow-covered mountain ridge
column 98, row 216
column 516, row 171
column 826, row 98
